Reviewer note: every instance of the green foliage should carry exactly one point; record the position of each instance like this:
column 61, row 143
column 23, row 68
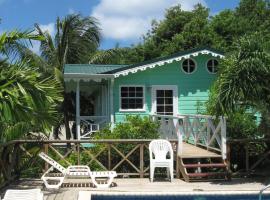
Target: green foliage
column 242, row 124
column 180, row 30
column 135, row 127
column 28, row 101
column 243, row 76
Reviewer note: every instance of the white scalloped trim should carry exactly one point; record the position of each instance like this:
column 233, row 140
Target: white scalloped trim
column 163, row 62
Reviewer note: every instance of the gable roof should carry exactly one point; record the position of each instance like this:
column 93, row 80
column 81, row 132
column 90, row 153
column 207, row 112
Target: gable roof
column 95, row 70
column 163, row 60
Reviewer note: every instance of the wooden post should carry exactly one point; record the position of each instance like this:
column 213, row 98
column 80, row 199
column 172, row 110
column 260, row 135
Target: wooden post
column 46, row 149
column 247, row 156
column 141, row 160
column 111, row 102
column 177, row 163
column 228, row 157
column 78, row 152
column 109, row 157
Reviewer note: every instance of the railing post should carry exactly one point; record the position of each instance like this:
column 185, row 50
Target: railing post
column 228, row 157
column 247, row 156
column 208, row 136
column 78, row 119
column 46, row 149
column 223, row 137
column 78, row 152
column 141, row 160
column 109, row 157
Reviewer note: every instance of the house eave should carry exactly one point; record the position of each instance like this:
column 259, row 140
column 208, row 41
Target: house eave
column 86, row 77
column 143, row 67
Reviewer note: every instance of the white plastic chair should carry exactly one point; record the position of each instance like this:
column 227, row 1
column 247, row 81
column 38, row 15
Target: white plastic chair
column 159, row 149
column 75, row 171
column 30, row 194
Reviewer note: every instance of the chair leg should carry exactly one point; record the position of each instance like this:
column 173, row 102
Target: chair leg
column 152, row 171
column 168, row 172
column 171, row 172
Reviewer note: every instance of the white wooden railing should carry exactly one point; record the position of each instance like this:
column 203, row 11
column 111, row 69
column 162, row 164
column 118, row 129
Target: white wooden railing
column 199, row 130
column 91, row 124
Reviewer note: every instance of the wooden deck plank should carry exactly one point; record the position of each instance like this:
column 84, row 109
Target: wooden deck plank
column 192, row 151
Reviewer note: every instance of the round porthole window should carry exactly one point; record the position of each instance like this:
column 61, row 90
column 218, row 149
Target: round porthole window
column 188, row 66
column 212, row 65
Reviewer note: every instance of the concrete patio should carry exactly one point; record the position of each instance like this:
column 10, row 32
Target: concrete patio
column 134, row 185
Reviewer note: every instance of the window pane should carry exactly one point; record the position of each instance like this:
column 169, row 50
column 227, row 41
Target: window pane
column 169, row 101
column 132, row 106
column 132, row 94
column 124, row 89
column 168, row 108
column 139, row 103
column 160, row 108
column 124, row 106
column 139, row 94
column 139, row 89
column 125, row 101
column 131, row 89
column 132, row 101
column 160, row 93
column 160, row 100
column 124, row 94
column 168, row 93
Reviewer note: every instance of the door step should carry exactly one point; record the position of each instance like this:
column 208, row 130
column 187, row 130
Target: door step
column 203, row 169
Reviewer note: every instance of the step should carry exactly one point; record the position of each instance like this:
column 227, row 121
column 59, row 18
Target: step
column 216, row 165
column 207, row 174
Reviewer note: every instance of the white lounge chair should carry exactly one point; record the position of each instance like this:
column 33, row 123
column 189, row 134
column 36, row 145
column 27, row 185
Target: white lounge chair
column 159, row 149
column 75, row 171
column 32, row 194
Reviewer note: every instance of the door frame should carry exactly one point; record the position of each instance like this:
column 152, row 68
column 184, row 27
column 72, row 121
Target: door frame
column 174, row 88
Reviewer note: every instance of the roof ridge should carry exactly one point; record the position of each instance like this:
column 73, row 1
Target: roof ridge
column 157, row 59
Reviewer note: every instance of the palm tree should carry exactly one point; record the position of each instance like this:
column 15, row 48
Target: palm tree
column 76, row 40
column 28, row 101
column 243, row 82
column 244, row 77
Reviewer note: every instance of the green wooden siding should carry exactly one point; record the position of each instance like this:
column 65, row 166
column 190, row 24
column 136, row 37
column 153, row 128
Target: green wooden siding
column 192, row 88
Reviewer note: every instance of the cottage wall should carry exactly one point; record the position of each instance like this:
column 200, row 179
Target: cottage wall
column 193, row 89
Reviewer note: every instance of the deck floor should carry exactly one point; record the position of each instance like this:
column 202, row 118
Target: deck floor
column 135, row 185
column 191, row 151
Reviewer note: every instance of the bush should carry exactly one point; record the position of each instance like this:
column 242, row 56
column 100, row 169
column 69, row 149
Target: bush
column 135, row 127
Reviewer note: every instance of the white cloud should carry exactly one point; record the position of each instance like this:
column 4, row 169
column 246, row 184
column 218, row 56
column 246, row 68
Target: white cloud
column 48, row 27
column 44, row 27
column 71, row 11
column 35, row 46
column 128, row 20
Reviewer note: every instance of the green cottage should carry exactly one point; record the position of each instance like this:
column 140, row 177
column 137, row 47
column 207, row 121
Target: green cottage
column 172, row 85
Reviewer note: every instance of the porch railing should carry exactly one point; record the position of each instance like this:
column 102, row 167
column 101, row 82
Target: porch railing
column 91, row 124
column 199, row 130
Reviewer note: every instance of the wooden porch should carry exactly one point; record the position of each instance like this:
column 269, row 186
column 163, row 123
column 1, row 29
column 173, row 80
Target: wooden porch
column 192, row 151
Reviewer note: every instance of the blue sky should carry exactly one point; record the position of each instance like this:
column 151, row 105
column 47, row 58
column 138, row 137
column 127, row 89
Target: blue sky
column 121, row 21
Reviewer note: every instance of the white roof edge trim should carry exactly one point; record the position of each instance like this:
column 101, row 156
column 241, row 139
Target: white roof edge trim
column 163, row 62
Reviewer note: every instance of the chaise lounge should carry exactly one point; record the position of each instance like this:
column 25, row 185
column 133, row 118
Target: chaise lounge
column 75, row 171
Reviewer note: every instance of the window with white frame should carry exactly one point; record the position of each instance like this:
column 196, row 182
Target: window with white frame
column 132, row 97
column 188, row 66
column 212, row 65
